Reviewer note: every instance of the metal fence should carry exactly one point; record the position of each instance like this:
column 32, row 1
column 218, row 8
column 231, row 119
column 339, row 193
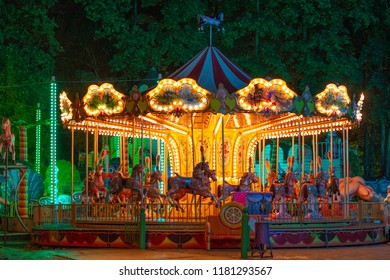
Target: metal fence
column 73, row 215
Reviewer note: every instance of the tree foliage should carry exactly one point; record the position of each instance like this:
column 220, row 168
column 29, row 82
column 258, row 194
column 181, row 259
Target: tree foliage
column 303, row 42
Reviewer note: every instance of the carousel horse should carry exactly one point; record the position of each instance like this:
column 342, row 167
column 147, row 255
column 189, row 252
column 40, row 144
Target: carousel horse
column 203, row 20
column 153, row 187
column 117, row 188
column 357, row 186
column 93, row 192
column 309, row 195
column 153, row 195
column 199, row 184
column 271, row 175
column 247, row 179
column 99, row 183
column 284, row 192
column 133, row 184
column 333, row 186
column 7, row 140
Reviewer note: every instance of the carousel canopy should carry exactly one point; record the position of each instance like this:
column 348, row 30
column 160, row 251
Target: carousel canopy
column 203, row 89
column 209, row 68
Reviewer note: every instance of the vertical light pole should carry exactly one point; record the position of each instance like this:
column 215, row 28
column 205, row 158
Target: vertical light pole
column 53, row 140
column 38, row 140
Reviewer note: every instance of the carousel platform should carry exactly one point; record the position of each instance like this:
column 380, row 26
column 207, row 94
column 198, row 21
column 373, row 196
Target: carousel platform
column 211, row 234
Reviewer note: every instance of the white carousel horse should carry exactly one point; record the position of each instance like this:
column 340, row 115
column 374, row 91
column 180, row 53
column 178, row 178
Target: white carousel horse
column 7, row 140
column 284, row 192
column 357, row 186
column 216, row 21
column 247, row 179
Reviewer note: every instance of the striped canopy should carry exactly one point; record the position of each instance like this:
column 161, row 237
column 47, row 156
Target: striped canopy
column 209, row 68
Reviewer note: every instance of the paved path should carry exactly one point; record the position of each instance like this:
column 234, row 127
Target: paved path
column 25, row 251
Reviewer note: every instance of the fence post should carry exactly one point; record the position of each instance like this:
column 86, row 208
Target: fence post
column 245, row 234
column 142, row 229
column 73, row 215
column 386, row 217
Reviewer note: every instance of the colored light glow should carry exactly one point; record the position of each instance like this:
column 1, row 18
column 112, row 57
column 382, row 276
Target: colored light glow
column 53, row 142
column 38, row 141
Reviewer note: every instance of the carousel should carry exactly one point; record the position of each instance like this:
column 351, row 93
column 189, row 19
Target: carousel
column 202, row 145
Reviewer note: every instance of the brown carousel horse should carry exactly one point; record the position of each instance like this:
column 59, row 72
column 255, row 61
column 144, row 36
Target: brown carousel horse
column 199, row 184
column 133, row 185
column 153, row 186
column 118, row 194
column 7, row 140
column 96, row 190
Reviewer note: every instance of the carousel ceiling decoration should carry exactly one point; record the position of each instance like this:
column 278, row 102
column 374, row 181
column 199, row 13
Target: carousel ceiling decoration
column 333, row 101
column 266, row 97
column 178, row 97
column 103, row 100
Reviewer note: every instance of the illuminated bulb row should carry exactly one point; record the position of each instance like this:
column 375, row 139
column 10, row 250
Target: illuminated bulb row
column 333, row 108
column 177, row 84
column 64, row 101
column 94, row 90
column 236, row 152
column 175, row 157
column 129, row 132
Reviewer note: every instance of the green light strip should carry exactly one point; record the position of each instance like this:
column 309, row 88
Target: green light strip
column 53, row 142
column 38, row 141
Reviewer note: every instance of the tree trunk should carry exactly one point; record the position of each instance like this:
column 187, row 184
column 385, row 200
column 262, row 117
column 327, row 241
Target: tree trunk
column 387, row 169
column 371, row 152
column 365, row 152
column 383, row 151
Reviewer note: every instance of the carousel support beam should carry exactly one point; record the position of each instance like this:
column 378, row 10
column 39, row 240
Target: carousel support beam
column 223, row 150
column 277, row 156
column 259, row 166
column 193, row 141
column 347, row 163
column 303, row 157
column 314, row 155
column 263, row 163
column 133, row 144
column 72, row 166
column 86, row 163
column 299, row 159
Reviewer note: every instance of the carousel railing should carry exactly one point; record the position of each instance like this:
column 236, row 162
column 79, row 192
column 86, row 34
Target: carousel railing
column 74, row 215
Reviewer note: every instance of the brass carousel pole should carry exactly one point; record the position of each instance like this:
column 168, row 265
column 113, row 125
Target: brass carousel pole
column 263, row 163
column 86, row 165
column 133, row 144
column 313, row 155
column 259, row 167
column 299, row 159
column 303, row 157
column 72, row 167
column 223, row 150
column 346, row 183
column 193, row 143
column 277, row 156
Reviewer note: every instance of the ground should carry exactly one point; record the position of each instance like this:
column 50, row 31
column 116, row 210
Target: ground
column 22, row 250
